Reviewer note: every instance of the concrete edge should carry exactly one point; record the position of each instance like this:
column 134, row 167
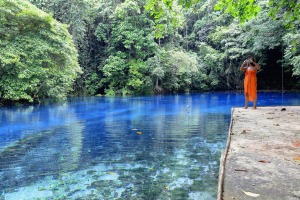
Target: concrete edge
column 223, row 159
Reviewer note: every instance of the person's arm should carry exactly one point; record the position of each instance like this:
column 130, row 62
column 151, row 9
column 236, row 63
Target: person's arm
column 243, row 68
column 256, row 65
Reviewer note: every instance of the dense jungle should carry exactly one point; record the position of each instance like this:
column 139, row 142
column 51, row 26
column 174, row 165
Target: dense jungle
column 53, row 49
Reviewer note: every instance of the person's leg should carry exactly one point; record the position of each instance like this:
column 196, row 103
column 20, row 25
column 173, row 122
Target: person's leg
column 254, row 103
column 246, row 101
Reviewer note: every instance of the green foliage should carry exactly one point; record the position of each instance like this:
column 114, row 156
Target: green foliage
column 75, row 13
column 262, row 33
column 175, row 70
column 93, row 83
column 254, row 37
column 156, row 66
column 37, row 56
column 167, row 15
column 138, row 47
column 129, row 39
column 115, row 71
column 138, row 83
column 289, row 11
column 292, row 52
column 80, row 16
column 211, row 67
column 123, row 82
column 242, row 9
column 110, row 92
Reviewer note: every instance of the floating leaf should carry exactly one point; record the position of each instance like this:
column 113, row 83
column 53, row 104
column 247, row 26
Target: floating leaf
column 251, row 194
column 241, row 170
column 297, row 159
column 264, row 161
column 139, row 133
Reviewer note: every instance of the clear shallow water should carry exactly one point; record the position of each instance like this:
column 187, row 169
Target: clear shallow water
column 154, row 147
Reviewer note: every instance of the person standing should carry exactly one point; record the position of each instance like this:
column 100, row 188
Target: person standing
column 250, row 67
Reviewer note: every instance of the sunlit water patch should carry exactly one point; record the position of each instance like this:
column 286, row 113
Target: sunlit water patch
column 156, row 147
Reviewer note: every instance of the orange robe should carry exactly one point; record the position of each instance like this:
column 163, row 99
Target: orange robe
column 250, row 84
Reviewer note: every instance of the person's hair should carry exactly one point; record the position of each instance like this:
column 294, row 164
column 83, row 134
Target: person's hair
column 252, row 58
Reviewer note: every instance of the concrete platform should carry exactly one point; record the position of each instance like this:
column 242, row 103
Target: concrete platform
column 262, row 158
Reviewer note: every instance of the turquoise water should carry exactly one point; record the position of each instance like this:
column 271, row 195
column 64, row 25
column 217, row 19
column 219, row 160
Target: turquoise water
column 153, row 147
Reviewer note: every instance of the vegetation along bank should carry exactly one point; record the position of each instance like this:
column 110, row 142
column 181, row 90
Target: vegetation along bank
column 60, row 48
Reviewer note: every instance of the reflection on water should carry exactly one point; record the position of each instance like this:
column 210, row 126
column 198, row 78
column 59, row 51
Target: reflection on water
column 157, row 147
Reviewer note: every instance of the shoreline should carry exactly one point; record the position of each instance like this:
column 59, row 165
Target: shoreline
column 50, row 101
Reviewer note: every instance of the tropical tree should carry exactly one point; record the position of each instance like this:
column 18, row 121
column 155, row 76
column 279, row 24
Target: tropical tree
column 38, row 59
column 174, row 70
column 127, row 34
column 138, row 47
column 241, row 9
column 80, row 17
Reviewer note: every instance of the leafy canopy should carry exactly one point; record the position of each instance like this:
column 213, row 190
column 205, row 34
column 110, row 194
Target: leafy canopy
column 241, row 9
column 37, row 57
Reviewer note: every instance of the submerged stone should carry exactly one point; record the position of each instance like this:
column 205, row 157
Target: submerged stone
column 42, row 189
column 91, row 172
column 100, row 184
column 193, row 174
column 198, row 185
column 179, row 193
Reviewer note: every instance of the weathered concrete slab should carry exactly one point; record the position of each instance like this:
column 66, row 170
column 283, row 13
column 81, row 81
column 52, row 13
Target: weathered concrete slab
column 263, row 155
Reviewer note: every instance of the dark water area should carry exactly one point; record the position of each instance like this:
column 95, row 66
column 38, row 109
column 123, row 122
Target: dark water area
column 152, row 147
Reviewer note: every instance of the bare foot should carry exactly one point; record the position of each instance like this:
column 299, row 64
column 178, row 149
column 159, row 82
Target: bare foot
column 245, row 107
column 254, row 108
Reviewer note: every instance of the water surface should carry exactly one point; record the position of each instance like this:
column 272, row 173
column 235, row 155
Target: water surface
column 154, row 147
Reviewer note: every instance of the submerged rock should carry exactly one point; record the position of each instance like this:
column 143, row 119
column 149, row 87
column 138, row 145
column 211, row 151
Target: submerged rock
column 101, row 184
column 98, row 184
column 193, row 174
column 179, row 193
column 91, row 172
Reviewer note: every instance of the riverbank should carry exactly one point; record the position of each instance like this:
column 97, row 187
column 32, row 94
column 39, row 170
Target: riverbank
column 262, row 158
